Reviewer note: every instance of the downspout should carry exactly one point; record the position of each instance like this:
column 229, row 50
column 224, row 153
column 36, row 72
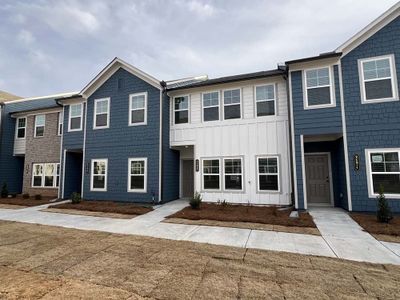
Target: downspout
column 161, row 169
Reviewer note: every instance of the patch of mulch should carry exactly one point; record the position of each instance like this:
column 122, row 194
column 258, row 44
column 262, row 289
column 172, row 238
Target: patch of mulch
column 106, row 207
column 371, row 225
column 88, row 213
column 27, row 202
column 244, row 213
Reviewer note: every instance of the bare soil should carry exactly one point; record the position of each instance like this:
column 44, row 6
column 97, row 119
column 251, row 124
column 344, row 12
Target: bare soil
column 26, row 202
column 43, row 262
column 106, row 207
column 244, row 213
column 389, row 232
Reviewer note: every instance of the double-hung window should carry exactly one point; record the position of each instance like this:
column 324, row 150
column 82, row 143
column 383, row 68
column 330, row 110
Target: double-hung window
column 21, row 128
column 75, row 117
column 101, row 113
column 319, row 90
column 138, row 109
column 181, row 109
column 232, row 104
column 268, row 173
column 98, row 178
column 233, row 176
column 40, row 122
column 60, row 123
column 211, row 106
column 46, row 175
column 211, row 174
column 384, row 170
column 378, row 79
column 265, row 100
column 137, row 181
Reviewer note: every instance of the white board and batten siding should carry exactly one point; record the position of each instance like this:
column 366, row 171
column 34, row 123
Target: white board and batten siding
column 247, row 137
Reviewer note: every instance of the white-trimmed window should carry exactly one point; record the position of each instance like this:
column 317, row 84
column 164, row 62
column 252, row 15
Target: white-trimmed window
column 233, row 174
column 211, row 106
column 46, row 175
column 211, row 174
column 265, row 100
column 318, row 88
column 138, row 109
column 21, row 128
column 137, row 180
column 232, row 101
column 40, row 122
column 98, row 178
column 378, row 79
column 60, row 123
column 75, row 117
column 101, row 117
column 268, row 173
column 384, row 170
column 181, row 109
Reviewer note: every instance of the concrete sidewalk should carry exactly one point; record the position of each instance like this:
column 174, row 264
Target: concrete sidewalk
column 347, row 241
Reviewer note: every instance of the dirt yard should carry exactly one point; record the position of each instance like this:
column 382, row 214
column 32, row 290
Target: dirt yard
column 382, row 231
column 43, row 262
column 26, row 202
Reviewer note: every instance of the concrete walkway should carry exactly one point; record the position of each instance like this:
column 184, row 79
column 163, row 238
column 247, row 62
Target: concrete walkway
column 341, row 236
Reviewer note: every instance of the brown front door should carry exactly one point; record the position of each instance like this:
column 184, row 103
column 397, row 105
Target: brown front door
column 318, row 179
column 187, row 179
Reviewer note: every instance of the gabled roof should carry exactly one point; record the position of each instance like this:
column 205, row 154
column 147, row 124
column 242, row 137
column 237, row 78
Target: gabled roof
column 387, row 17
column 110, row 69
column 5, row 96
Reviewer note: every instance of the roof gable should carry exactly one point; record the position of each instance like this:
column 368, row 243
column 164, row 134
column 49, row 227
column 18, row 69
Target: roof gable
column 110, row 69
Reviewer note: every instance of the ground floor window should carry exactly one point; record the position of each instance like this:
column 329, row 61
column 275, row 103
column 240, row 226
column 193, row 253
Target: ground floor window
column 98, row 180
column 46, row 175
column 268, row 173
column 233, row 174
column 384, row 171
column 211, row 177
column 137, row 175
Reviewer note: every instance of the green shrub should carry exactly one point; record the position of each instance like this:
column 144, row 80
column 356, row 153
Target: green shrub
column 76, row 198
column 384, row 214
column 4, row 190
column 195, row 202
column 223, row 204
column 25, row 196
column 38, row 197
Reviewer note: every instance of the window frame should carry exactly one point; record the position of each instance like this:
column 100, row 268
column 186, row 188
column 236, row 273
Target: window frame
column 240, row 103
column 56, row 174
column 219, row 174
column 203, row 107
column 17, row 128
column 242, row 190
column 393, row 78
column 144, row 190
column 331, row 88
column 132, row 109
column 95, row 113
column 278, row 174
column 93, row 160
column 257, row 101
column 69, row 117
column 36, row 126
column 369, row 172
column 174, row 110
column 60, row 126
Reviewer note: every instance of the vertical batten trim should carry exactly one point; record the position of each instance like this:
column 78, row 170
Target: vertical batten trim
column 62, row 165
column 160, row 150
column 85, row 107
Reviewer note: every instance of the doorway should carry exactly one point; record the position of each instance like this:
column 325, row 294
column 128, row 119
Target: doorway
column 187, row 182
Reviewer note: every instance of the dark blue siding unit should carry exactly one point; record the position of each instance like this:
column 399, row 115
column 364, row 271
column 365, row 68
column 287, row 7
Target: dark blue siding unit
column 73, row 139
column 372, row 125
column 120, row 142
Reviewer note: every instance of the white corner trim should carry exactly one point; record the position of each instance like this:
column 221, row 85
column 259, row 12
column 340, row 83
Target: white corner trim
column 63, row 174
column 303, row 171
column 160, row 149
column 84, row 149
column 62, row 163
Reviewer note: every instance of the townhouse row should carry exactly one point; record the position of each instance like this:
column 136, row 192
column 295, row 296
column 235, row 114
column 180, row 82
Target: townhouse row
column 321, row 130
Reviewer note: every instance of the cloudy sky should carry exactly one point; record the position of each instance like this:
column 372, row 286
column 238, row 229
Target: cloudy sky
column 49, row 47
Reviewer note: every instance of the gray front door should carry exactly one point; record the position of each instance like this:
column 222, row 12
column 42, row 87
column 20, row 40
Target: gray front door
column 318, row 179
column 187, row 179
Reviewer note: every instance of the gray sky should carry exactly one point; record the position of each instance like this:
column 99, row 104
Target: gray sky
column 49, row 47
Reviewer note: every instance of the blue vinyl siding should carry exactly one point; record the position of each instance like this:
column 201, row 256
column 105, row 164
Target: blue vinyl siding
column 373, row 125
column 73, row 139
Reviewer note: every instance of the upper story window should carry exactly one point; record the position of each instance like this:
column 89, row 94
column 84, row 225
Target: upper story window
column 21, row 128
column 75, row 117
column 378, row 79
column 98, row 178
column 268, row 173
column 40, row 122
column 181, row 109
column 319, row 89
column 60, row 123
column 232, row 104
column 137, row 175
column 138, row 109
column 211, row 106
column 101, row 113
column 265, row 100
